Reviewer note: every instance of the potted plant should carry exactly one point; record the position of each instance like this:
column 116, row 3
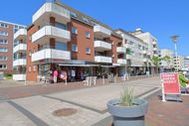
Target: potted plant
column 128, row 111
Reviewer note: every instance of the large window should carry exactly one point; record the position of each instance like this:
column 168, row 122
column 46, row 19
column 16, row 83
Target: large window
column 3, row 66
column 60, row 25
column 3, row 41
column 3, row 49
column 3, row 33
column 74, row 48
column 3, row 58
column 61, row 46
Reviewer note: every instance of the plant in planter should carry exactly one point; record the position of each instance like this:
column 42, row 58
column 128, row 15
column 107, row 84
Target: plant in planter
column 128, row 111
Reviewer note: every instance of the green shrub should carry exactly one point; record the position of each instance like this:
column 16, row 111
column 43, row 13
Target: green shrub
column 127, row 97
column 8, row 76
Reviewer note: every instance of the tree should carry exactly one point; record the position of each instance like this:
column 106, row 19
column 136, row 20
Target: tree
column 167, row 59
column 156, row 61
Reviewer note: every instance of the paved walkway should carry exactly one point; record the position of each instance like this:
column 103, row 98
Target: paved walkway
column 168, row 113
column 90, row 103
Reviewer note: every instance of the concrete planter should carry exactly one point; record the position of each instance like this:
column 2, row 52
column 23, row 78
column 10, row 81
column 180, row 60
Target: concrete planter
column 128, row 115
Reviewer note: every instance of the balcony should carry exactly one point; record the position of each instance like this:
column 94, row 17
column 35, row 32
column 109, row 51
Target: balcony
column 19, row 77
column 47, row 32
column 154, row 42
column 102, row 45
column 19, row 62
column 51, row 10
column 144, row 52
column 20, row 47
column 122, row 61
column 126, row 45
column 103, row 59
column 145, row 60
column 20, row 34
column 101, row 32
column 128, row 56
column 50, row 54
column 121, row 50
column 155, row 48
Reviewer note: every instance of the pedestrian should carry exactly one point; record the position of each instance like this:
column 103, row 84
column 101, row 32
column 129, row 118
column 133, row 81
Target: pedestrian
column 55, row 76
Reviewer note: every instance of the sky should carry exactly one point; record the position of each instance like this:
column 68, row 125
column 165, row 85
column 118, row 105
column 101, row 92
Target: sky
column 162, row 18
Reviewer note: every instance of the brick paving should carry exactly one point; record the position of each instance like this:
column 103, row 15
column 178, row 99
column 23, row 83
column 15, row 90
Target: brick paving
column 168, row 113
column 31, row 90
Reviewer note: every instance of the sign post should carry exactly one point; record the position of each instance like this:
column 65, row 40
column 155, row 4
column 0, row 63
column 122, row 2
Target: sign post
column 170, row 86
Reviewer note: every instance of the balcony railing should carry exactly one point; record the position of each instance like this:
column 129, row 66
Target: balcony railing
column 101, row 31
column 128, row 56
column 50, row 54
column 121, row 50
column 20, row 34
column 103, row 59
column 145, row 60
column 20, row 47
column 154, row 42
column 102, row 45
column 121, row 61
column 48, row 32
column 19, row 62
column 51, row 10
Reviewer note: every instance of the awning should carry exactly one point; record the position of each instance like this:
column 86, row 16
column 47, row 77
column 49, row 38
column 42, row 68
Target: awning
column 79, row 65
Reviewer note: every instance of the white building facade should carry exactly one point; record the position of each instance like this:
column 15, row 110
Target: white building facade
column 136, row 54
column 19, row 52
column 167, row 64
column 152, row 42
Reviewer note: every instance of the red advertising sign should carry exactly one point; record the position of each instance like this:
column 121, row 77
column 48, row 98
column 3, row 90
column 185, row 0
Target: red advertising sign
column 170, row 83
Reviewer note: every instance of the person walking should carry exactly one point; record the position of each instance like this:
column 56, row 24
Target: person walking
column 55, row 76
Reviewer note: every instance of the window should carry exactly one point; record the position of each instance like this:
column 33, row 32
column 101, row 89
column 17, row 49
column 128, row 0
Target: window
column 15, row 30
column 74, row 48
column 61, row 46
column 4, row 33
column 74, row 30
column 3, row 49
column 73, row 14
column 60, row 25
column 3, row 41
column 87, row 34
column 3, row 66
column 3, row 25
column 16, row 26
column 85, row 20
column 88, row 50
column 3, row 58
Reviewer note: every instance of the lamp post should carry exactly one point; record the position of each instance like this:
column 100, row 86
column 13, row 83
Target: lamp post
column 175, row 40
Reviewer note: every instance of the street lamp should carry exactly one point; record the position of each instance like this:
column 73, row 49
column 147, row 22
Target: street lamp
column 175, row 40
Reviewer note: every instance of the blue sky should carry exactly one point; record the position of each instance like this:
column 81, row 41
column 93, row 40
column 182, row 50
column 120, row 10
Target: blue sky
column 162, row 18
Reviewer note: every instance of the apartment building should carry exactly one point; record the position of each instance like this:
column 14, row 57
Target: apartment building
column 19, row 53
column 186, row 63
column 178, row 63
column 167, row 64
column 62, row 38
column 7, row 31
column 152, row 43
column 137, row 53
